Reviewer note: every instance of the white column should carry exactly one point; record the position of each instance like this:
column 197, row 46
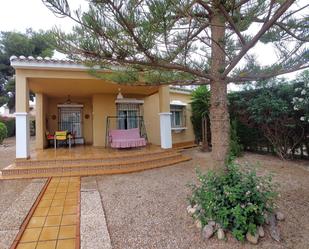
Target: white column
column 22, row 135
column 165, row 130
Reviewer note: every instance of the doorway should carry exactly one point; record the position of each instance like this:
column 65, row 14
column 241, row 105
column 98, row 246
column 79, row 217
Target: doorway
column 70, row 119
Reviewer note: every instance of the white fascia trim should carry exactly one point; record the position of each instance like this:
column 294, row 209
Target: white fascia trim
column 179, row 128
column 21, row 114
column 59, row 66
column 48, row 65
column 68, row 105
column 129, row 101
column 178, row 102
column 185, row 92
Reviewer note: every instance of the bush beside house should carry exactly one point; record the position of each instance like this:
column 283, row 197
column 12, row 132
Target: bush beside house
column 269, row 121
column 10, row 125
column 3, row 132
column 273, row 117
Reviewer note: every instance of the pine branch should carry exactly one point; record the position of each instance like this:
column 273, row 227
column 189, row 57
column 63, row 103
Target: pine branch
column 242, row 2
column 284, row 27
column 205, row 6
column 268, row 75
column 256, row 38
column 233, row 25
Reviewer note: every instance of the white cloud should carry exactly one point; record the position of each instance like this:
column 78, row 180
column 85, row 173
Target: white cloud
column 20, row 14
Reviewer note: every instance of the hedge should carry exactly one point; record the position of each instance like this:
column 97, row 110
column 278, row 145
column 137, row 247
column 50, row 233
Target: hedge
column 10, row 125
column 3, row 132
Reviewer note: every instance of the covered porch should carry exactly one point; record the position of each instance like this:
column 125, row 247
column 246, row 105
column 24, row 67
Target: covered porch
column 65, row 90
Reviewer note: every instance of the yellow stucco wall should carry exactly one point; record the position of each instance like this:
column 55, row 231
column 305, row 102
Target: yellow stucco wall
column 152, row 118
column 188, row 134
column 103, row 106
column 52, row 109
column 22, row 93
column 40, row 120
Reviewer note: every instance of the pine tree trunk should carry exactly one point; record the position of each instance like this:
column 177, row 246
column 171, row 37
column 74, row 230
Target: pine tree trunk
column 219, row 115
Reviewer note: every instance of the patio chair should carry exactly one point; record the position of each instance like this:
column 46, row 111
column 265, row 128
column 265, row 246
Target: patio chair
column 60, row 136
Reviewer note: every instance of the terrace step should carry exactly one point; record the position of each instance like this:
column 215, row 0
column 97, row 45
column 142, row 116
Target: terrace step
column 95, row 168
column 127, row 157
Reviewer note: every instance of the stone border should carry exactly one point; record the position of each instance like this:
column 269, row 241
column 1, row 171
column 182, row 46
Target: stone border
column 93, row 227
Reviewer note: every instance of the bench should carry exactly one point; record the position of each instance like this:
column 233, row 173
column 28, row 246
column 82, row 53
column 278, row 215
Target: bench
column 129, row 138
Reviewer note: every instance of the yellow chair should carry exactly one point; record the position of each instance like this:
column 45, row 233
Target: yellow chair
column 61, row 136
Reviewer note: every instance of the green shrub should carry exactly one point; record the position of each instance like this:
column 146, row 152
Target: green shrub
column 200, row 103
column 236, row 148
column 3, row 132
column 10, row 125
column 236, row 199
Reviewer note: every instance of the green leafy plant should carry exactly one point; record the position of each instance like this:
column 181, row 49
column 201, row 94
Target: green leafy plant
column 200, row 104
column 3, row 132
column 272, row 117
column 301, row 99
column 237, row 199
column 236, row 148
column 10, row 125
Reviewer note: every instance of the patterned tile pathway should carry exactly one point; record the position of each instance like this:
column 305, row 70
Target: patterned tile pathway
column 55, row 221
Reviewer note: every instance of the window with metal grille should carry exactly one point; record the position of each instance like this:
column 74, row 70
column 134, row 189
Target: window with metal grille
column 127, row 115
column 70, row 119
column 178, row 118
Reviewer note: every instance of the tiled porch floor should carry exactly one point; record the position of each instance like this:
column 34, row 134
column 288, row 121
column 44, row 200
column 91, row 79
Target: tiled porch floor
column 91, row 152
column 55, row 221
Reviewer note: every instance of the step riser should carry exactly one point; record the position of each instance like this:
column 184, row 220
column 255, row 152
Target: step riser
column 99, row 162
column 105, row 171
column 85, row 167
column 81, row 161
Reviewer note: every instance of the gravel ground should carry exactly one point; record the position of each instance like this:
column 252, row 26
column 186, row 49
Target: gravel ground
column 148, row 209
column 7, row 152
column 16, row 197
column 9, row 189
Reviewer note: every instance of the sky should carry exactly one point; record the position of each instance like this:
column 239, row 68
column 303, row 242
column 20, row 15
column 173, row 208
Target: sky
column 19, row 15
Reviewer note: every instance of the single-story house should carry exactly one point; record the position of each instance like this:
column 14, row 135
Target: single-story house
column 69, row 98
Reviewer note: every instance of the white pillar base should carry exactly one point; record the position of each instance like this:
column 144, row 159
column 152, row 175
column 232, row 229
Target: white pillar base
column 165, row 130
column 22, row 135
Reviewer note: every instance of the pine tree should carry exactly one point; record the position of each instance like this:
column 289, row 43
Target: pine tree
column 185, row 42
column 16, row 43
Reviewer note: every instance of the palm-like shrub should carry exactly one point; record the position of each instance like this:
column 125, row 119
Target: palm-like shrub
column 200, row 103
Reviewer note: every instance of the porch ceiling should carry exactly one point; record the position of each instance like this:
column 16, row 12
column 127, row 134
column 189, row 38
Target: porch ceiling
column 84, row 87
